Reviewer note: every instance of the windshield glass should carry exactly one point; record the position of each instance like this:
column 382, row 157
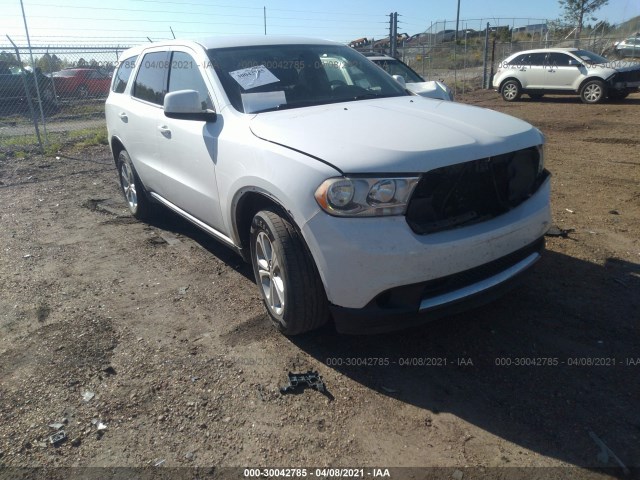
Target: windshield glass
column 590, row 57
column 275, row 77
column 396, row 67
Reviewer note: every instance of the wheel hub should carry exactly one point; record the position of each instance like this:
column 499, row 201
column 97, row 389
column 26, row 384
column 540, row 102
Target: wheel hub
column 270, row 274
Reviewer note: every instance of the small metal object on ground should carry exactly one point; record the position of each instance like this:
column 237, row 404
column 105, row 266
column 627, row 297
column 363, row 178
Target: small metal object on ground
column 558, row 232
column 299, row 381
column 57, row 438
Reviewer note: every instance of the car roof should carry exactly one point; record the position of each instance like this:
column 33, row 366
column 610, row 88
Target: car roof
column 545, row 50
column 229, row 41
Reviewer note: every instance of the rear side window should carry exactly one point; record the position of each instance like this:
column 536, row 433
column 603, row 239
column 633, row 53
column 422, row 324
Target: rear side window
column 150, row 84
column 123, row 74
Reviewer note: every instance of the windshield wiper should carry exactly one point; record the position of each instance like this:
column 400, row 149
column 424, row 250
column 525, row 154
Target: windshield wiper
column 286, row 106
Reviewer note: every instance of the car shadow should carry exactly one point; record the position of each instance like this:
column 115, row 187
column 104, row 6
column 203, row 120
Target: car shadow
column 542, row 367
column 166, row 219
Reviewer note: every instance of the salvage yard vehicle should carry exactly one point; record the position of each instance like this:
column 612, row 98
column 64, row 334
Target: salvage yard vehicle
column 413, row 82
column 15, row 81
column 359, row 202
column 81, row 82
column 565, row 71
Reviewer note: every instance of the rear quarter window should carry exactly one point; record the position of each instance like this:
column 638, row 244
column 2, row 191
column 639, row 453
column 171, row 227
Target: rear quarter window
column 123, row 74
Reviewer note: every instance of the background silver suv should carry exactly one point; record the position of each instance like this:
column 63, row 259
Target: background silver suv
column 565, row 71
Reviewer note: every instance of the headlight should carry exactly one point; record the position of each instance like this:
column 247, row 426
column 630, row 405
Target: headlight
column 541, row 159
column 365, row 196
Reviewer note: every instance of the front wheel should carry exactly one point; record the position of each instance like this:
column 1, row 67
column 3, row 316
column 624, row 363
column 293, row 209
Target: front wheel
column 593, row 91
column 511, row 90
column 286, row 275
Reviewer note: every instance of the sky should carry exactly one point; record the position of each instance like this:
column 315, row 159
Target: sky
column 131, row 22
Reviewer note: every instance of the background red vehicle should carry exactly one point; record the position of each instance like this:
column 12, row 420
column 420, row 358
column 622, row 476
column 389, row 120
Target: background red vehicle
column 81, row 82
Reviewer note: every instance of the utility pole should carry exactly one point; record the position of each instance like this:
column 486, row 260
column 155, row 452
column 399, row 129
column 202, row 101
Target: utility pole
column 393, row 33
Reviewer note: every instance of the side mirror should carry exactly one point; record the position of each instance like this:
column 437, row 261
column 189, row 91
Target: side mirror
column 400, row 79
column 185, row 105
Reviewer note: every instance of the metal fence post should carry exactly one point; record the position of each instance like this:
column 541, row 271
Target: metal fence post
column 486, row 55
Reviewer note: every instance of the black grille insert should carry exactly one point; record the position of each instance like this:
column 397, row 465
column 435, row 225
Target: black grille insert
column 471, row 192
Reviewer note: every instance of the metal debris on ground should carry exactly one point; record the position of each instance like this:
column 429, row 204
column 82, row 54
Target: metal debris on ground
column 57, row 438
column 559, row 232
column 159, row 462
column 298, row 382
column 56, row 426
column 87, row 396
column 183, row 290
column 170, row 238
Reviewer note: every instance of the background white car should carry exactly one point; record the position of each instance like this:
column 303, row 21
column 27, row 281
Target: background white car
column 350, row 197
column 414, row 82
column 565, row 71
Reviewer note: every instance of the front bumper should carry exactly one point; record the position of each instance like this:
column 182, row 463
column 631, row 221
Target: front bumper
column 412, row 305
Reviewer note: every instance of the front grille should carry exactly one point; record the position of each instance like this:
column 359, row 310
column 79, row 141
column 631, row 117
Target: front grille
column 472, row 192
column 631, row 76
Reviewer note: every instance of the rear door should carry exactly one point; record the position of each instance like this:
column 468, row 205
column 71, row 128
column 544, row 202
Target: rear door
column 532, row 71
column 141, row 115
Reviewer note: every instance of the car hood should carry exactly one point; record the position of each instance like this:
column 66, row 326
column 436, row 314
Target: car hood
column 433, row 89
column 392, row 135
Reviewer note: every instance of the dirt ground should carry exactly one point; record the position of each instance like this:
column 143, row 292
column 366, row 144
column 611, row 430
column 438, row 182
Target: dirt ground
column 157, row 333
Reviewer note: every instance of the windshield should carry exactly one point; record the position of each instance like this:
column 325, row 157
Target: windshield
column 396, row 67
column 590, row 57
column 275, row 77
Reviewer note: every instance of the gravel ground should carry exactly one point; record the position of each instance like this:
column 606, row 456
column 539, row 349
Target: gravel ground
column 149, row 346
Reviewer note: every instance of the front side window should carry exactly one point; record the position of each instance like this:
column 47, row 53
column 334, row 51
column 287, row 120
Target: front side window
column 275, row 77
column 122, row 75
column 561, row 60
column 150, row 84
column 185, row 75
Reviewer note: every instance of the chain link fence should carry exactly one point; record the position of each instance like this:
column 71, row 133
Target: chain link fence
column 468, row 62
column 54, row 95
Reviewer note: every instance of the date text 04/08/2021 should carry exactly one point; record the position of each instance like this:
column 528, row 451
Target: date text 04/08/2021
column 317, row 472
column 401, row 362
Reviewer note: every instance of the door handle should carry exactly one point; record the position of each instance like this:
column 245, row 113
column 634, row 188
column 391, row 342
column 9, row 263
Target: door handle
column 123, row 116
column 165, row 130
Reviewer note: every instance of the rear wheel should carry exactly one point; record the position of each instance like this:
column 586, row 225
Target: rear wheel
column 286, row 275
column 593, row 91
column 511, row 90
column 132, row 188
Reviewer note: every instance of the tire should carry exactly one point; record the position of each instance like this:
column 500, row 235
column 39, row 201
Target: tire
column 593, row 91
column 82, row 91
column 536, row 96
column 286, row 275
column 134, row 192
column 511, row 90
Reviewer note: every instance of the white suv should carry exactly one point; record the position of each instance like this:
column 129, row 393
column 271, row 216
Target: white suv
column 565, row 71
column 356, row 201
